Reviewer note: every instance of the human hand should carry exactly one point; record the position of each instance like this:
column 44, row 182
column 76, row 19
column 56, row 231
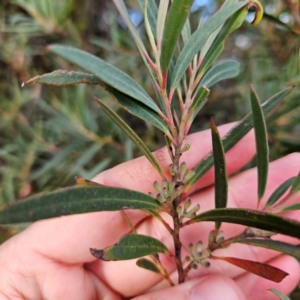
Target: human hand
column 51, row 258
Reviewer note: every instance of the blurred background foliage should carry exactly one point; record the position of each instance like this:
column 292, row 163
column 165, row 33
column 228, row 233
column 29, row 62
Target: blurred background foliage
column 49, row 135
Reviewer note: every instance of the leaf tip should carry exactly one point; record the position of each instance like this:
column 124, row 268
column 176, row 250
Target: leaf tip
column 97, row 253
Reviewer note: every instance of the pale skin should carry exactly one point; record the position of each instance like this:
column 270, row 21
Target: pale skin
column 51, row 258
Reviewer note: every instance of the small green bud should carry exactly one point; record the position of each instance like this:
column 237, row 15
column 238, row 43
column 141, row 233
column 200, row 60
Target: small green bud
column 169, row 199
column 205, row 264
column 171, row 170
column 199, row 246
column 220, row 236
column 171, row 186
column 165, row 184
column 187, row 203
column 160, row 198
column 182, row 170
column 179, row 210
column 189, row 174
column 186, row 147
column 190, row 215
column 191, row 248
column 211, row 237
column 192, row 212
column 194, row 266
column 156, row 185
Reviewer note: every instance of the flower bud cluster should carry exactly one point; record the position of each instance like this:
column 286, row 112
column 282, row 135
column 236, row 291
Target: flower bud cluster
column 184, row 175
column 167, row 191
column 184, row 212
column 212, row 239
column 197, row 256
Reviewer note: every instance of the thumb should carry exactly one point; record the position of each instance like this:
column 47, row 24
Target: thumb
column 209, row 287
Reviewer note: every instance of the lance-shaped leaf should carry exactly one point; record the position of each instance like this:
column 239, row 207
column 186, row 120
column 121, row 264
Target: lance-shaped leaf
column 251, row 218
column 107, row 73
column 161, row 19
column 201, row 95
column 221, row 183
column 281, row 295
column 262, row 148
column 175, row 21
column 151, row 13
column 127, row 20
column 131, row 246
column 282, row 247
column 280, row 191
column 63, row 77
column 217, row 47
column 199, row 37
column 148, row 265
column 138, row 109
column 221, row 71
column 75, row 200
column 295, row 206
column 236, row 134
column 132, row 135
column 296, row 185
column 260, row 269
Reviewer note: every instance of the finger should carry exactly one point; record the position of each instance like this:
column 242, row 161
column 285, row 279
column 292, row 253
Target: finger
column 69, row 238
column 139, row 174
column 259, row 288
column 246, row 197
column 37, row 277
column 209, row 287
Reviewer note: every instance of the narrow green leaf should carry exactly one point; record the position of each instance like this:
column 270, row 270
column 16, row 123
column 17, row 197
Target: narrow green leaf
column 262, row 148
column 221, row 182
column 282, row 247
column 291, row 207
column 217, row 47
column 130, row 246
column 138, row 109
column 161, row 19
column 260, row 269
column 176, row 18
column 75, row 200
column 236, row 134
column 280, row 191
column 186, row 31
column 107, row 73
column 199, row 37
column 124, row 13
column 63, row 77
column 197, row 110
column 127, row 20
column 148, row 265
column 279, row 294
column 151, row 13
column 132, row 135
column 213, row 36
column 201, row 95
column 251, row 218
column 296, row 185
column 221, row 71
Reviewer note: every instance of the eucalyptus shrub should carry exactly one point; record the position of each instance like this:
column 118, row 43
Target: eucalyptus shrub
column 182, row 66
